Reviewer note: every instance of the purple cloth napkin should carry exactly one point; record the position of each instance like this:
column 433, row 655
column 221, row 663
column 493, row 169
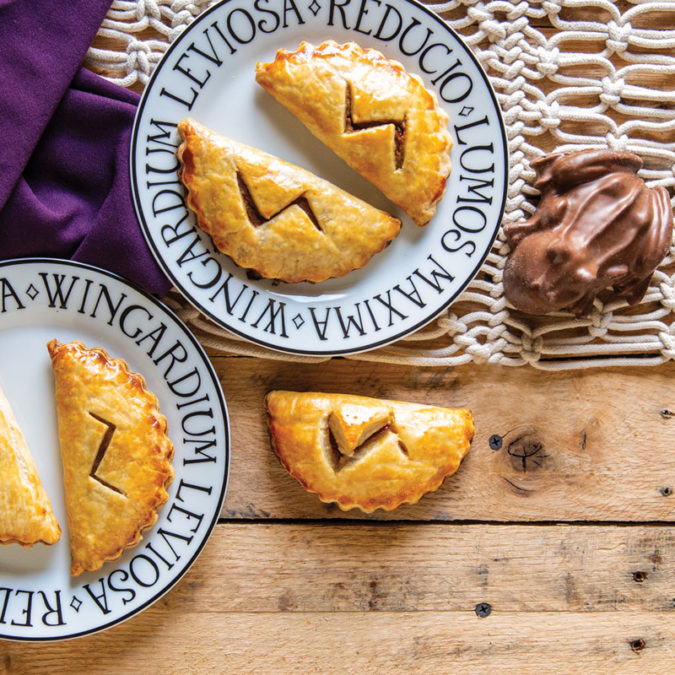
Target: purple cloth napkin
column 64, row 163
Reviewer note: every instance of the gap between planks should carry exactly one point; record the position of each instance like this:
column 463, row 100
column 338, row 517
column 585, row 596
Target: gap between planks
column 591, row 446
column 323, row 522
column 405, row 568
column 344, row 598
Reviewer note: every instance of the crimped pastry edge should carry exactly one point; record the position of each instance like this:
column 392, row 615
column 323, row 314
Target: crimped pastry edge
column 428, row 209
column 6, row 539
column 7, row 542
column 347, row 505
column 305, row 47
column 55, row 347
column 185, row 173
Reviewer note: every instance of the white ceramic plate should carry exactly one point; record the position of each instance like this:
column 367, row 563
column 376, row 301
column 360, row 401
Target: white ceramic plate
column 208, row 74
column 41, row 299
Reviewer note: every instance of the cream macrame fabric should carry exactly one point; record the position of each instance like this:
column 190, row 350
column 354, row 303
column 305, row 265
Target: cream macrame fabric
column 569, row 74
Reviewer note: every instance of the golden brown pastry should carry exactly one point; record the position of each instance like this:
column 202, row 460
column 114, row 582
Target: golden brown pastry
column 365, row 452
column 273, row 217
column 374, row 114
column 26, row 515
column 115, row 451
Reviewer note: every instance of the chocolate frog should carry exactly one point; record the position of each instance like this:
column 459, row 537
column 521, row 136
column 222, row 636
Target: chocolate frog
column 597, row 225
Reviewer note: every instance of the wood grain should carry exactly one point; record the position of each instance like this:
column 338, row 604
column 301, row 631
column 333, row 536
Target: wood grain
column 322, row 596
column 397, row 598
column 257, row 567
column 591, row 445
column 360, row 642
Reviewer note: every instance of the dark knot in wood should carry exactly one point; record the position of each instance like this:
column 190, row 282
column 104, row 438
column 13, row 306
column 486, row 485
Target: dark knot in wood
column 525, row 449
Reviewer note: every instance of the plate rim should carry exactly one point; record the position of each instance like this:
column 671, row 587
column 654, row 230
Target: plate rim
column 283, row 349
column 223, row 405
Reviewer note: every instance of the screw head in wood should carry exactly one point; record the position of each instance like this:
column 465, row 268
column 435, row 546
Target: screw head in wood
column 483, row 609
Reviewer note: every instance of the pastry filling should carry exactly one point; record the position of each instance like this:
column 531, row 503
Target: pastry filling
column 102, row 449
column 344, row 423
column 399, row 128
column 257, row 219
column 339, row 460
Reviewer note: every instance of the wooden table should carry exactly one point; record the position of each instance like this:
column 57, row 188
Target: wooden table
column 551, row 550
column 551, row 553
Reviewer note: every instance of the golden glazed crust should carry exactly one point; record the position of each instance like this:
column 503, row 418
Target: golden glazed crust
column 274, row 217
column 26, row 515
column 365, row 452
column 375, row 115
column 115, row 451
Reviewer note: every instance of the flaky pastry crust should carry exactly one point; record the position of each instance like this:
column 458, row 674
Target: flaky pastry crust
column 375, row 115
column 365, row 452
column 273, row 217
column 26, row 515
column 115, row 450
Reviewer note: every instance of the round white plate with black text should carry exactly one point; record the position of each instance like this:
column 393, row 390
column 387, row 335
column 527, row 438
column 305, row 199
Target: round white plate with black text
column 208, row 74
column 41, row 299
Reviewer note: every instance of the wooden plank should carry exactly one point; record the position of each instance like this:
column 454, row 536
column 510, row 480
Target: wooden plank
column 383, row 642
column 342, row 598
column 590, row 445
column 256, row 567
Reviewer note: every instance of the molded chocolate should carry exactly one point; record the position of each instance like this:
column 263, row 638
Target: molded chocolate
column 597, row 225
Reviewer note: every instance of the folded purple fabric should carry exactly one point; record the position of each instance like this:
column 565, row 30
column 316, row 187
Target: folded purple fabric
column 64, row 168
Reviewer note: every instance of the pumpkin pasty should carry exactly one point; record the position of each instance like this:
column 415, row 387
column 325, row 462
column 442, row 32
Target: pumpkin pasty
column 375, row 115
column 365, row 452
column 115, row 451
column 273, row 217
column 26, row 515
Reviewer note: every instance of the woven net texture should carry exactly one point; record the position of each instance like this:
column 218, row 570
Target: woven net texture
column 569, row 74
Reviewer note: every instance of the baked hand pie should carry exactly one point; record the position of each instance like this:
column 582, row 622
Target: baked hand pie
column 115, row 451
column 375, row 115
column 26, row 515
column 365, row 452
column 273, row 217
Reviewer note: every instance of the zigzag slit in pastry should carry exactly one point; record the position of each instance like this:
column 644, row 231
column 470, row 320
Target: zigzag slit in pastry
column 273, row 217
column 365, row 452
column 376, row 116
column 115, row 450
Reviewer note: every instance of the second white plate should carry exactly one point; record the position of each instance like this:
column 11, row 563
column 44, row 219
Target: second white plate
column 41, row 299
column 208, row 74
